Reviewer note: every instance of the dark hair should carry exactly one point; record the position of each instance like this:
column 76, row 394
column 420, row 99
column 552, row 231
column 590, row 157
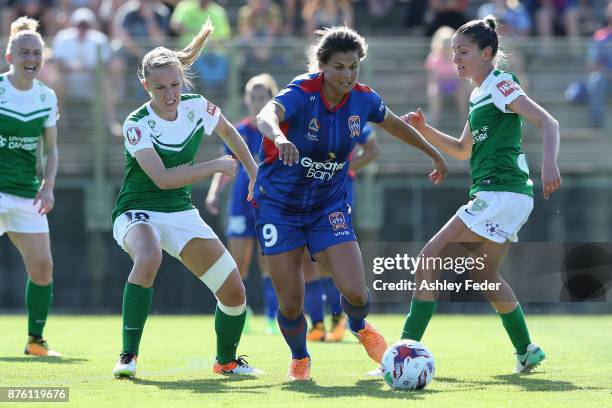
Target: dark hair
column 333, row 40
column 482, row 32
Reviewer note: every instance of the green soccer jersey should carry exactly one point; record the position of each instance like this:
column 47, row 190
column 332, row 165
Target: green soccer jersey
column 176, row 142
column 23, row 117
column 497, row 162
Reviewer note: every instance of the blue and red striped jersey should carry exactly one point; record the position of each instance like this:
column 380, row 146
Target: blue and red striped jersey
column 324, row 137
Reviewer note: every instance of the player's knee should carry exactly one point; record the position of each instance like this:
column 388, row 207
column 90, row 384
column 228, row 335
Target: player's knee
column 356, row 297
column 232, row 292
column 291, row 309
column 147, row 263
column 41, row 270
column 219, row 278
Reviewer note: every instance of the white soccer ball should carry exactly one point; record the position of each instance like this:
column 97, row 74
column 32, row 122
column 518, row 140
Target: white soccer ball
column 407, row 365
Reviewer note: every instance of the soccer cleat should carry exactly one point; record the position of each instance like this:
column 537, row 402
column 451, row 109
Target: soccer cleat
column 299, row 369
column 38, row 347
column 531, row 359
column 373, row 342
column 338, row 327
column 237, row 366
column 316, row 332
column 126, row 365
column 271, row 326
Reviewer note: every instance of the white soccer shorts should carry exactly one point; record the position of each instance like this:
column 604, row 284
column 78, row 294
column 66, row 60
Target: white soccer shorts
column 172, row 229
column 496, row 215
column 19, row 214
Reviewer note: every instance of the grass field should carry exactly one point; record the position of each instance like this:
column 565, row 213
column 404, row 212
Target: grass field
column 473, row 358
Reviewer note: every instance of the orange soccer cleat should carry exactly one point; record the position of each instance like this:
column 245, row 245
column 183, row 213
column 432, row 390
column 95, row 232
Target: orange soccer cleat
column 316, row 333
column 299, row 369
column 338, row 328
column 39, row 347
column 373, row 342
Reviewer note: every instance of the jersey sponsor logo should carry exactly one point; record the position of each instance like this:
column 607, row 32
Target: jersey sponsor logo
column 506, row 87
column 480, row 135
column 133, row 135
column 337, row 221
column 324, row 171
column 28, row 143
column 354, row 125
column 313, row 126
column 211, row 108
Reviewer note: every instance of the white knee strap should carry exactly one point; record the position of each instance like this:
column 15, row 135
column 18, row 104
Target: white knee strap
column 231, row 310
column 217, row 274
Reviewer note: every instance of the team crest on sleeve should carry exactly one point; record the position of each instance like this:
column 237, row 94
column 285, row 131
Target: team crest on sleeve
column 211, row 108
column 354, row 125
column 133, row 135
column 506, row 87
column 337, row 221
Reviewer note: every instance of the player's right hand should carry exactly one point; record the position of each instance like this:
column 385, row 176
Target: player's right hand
column 226, row 165
column 287, row 152
column 415, row 119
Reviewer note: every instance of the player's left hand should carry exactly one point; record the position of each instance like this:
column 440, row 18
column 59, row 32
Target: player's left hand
column 551, row 178
column 440, row 170
column 45, row 198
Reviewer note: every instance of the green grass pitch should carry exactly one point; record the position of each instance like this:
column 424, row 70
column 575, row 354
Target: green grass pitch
column 473, row 358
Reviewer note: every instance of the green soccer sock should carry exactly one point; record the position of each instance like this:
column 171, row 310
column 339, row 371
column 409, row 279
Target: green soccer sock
column 418, row 318
column 516, row 327
column 38, row 302
column 228, row 329
column 136, row 304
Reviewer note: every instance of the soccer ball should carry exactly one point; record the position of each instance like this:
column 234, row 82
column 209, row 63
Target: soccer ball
column 407, row 365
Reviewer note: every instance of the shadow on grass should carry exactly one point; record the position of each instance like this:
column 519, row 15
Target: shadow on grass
column 46, row 360
column 528, row 382
column 373, row 388
column 218, row 385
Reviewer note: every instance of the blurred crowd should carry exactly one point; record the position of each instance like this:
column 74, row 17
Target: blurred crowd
column 120, row 32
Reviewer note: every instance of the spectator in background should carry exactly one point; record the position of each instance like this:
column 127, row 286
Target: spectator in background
column 450, row 13
column 141, row 20
column 599, row 62
column 212, row 68
column 514, row 25
column 548, row 15
column 139, row 24
column 75, row 50
column 259, row 25
column 40, row 10
column 442, row 80
column 319, row 14
column 293, row 17
column 514, row 16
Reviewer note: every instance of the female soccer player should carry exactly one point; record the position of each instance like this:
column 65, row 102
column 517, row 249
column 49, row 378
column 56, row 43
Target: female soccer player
column 311, row 127
column 154, row 212
column 240, row 231
column 501, row 191
column 319, row 282
column 28, row 110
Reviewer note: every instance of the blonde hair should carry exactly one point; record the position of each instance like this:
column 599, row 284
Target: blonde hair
column 162, row 57
column 23, row 27
column 264, row 80
column 442, row 38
